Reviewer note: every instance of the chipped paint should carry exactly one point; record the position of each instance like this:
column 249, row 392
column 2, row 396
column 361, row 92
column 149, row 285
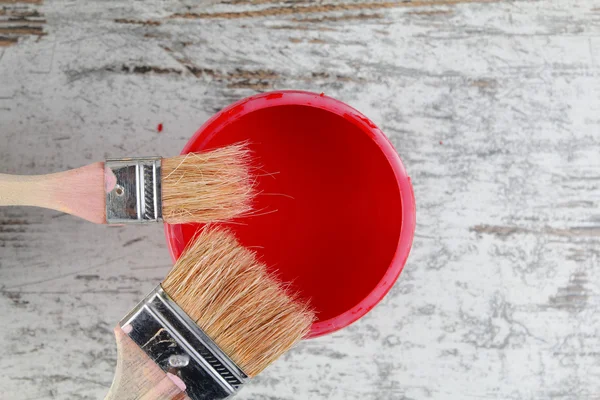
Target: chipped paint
column 322, row 8
column 499, row 297
column 19, row 21
column 505, row 231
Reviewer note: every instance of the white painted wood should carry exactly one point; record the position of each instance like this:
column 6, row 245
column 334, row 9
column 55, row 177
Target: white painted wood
column 494, row 107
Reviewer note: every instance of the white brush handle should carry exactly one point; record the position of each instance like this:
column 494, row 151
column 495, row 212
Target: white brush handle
column 78, row 192
column 138, row 377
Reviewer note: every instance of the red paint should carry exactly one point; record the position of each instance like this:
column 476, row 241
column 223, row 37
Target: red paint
column 338, row 212
column 159, row 128
column 322, row 94
column 274, row 95
column 441, row 142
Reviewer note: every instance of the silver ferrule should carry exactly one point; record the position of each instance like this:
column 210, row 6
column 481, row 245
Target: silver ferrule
column 175, row 343
column 136, row 196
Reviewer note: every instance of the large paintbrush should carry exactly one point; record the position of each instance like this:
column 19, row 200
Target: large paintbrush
column 217, row 319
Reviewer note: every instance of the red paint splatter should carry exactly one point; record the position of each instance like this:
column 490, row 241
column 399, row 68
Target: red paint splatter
column 441, row 142
column 322, row 94
column 159, row 128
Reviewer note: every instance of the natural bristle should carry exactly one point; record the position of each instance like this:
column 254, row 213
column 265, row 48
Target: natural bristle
column 235, row 301
column 207, row 187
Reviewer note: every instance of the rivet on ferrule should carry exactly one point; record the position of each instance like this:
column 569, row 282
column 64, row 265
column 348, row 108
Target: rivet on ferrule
column 136, row 196
column 171, row 339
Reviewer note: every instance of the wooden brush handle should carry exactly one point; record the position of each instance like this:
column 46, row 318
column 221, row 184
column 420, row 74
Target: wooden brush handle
column 78, row 192
column 137, row 377
column 17, row 190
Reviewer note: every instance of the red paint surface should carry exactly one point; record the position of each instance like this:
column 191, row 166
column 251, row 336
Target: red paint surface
column 159, row 128
column 338, row 208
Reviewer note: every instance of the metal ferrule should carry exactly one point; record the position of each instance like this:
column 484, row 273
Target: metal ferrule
column 175, row 343
column 136, row 197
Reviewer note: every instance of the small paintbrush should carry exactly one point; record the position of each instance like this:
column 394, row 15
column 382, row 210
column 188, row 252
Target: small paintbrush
column 196, row 187
column 217, row 319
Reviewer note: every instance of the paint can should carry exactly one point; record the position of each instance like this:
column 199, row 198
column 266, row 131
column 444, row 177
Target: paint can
column 335, row 214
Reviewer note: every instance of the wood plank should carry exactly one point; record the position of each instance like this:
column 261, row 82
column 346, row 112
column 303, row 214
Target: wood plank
column 493, row 107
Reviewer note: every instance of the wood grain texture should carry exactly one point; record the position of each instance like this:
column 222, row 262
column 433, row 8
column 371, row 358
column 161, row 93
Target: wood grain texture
column 137, row 377
column 20, row 20
column 80, row 191
column 494, row 108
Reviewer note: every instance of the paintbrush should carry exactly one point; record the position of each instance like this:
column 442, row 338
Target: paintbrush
column 217, row 319
column 196, row 187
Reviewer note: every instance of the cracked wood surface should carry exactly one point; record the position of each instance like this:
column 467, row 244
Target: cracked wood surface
column 494, row 106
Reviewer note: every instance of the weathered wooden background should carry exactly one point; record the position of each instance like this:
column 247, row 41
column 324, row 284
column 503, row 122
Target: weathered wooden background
column 494, row 107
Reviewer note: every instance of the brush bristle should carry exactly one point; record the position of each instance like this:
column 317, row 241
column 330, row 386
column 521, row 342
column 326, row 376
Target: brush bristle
column 236, row 302
column 207, row 187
